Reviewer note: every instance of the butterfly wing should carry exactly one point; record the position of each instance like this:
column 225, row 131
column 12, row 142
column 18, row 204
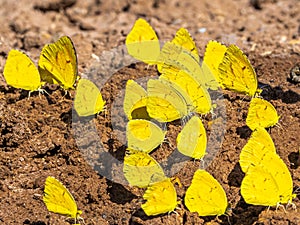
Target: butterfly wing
column 58, row 63
column 181, row 67
column 205, row 195
column 143, row 135
column 142, row 42
column 184, row 39
column 259, row 143
column 236, row 72
column 59, row 200
column 259, row 188
column 135, row 101
column 164, row 102
column 88, row 100
column 268, row 183
column 176, row 56
column 20, row 71
column 261, row 113
column 173, row 55
column 282, row 176
column 191, row 141
column 140, row 168
column 213, row 56
column 197, row 97
column 160, row 198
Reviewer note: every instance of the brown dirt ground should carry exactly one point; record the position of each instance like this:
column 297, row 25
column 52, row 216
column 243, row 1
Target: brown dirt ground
column 38, row 138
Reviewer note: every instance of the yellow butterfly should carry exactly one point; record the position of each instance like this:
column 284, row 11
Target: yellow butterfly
column 205, row 195
column 143, row 135
column 164, row 102
column 20, row 72
column 182, row 71
column 88, row 100
column 178, row 58
column 183, row 38
column 135, row 101
column 140, row 169
column 268, row 181
column 191, row 62
column 183, row 41
column 59, row 200
column 161, row 197
column 236, row 72
column 213, row 56
column 191, row 141
column 197, row 98
column 261, row 113
column 173, row 55
column 142, row 42
column 58, row 63
column 259, row 143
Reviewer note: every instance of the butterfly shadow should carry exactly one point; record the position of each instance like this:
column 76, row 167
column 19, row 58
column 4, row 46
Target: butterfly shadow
column 22, row 94
column 244, row 132
column 109, row 165
column 236, row 176
column 34, row 223
column 66, row 117
column 119, row 194
column 134, row 221
column 294, row 159
column 275, row 93
column 221, row 220
column 140, row 215
column 247, row 214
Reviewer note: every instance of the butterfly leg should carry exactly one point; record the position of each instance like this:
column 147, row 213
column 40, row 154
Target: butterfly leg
column 202, row 163
column 292, row 204
column 280, row 205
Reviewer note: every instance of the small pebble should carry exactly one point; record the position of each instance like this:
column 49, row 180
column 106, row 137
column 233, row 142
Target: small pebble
column 295, row 73
column 202, row 30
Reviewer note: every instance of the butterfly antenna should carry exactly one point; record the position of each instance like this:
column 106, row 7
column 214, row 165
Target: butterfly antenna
column 243, row 98
column 297, row 191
